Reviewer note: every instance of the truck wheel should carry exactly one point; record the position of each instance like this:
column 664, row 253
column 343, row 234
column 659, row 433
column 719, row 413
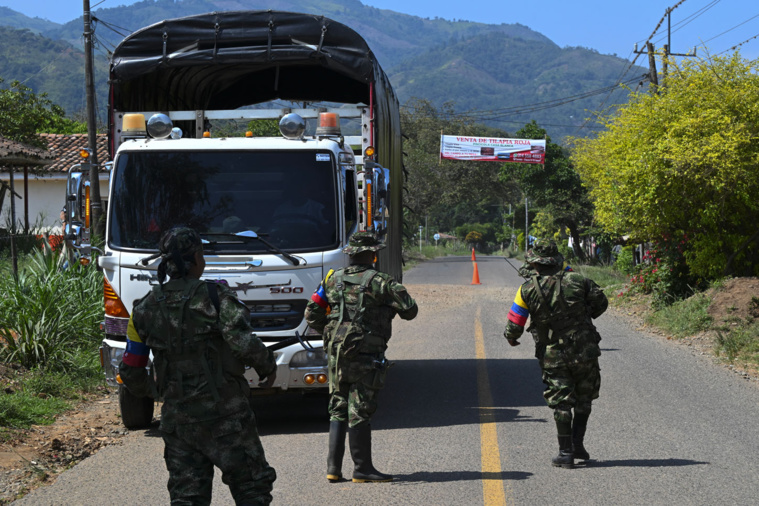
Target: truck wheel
column 136, row 412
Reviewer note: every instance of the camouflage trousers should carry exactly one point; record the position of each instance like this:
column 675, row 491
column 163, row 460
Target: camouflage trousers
column 573, row 386
column 354, row 390
column 232, row 444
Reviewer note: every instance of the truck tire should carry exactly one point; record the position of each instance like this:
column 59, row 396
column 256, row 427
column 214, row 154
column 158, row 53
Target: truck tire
column 136, row 412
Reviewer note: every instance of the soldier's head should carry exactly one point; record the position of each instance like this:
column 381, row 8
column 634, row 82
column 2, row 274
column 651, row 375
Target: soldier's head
column 544, row 253
column 362, row 247
column 181, row 253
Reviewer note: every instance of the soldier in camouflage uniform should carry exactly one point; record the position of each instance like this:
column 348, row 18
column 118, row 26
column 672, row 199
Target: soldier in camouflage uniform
column 353, row 309
column 201, row 339
column 561, row 305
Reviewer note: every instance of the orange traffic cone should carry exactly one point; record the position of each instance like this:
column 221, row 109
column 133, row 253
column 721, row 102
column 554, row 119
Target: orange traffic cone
column 476, row 275
column 473, row 259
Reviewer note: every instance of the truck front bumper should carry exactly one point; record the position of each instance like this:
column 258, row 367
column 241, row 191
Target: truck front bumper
column 297, row 368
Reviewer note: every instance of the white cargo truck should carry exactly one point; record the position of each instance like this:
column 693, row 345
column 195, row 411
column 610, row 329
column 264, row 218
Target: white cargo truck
column 274, row 212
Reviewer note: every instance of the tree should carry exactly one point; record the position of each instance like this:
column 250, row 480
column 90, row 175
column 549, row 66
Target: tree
column 555, row 187
column 682, row 165
column 449, row 192
column 23, row 115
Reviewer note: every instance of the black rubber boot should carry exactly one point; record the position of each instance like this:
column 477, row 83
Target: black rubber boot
column 579, row 424
column 336, row 450
column 565, row 458
column 360, row 440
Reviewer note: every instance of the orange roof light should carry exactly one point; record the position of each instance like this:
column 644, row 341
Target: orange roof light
column 329, row 124
column 85, row 153
column 206, row 134
column 369, row 151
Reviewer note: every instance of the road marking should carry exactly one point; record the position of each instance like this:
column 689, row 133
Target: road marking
column 493, row 485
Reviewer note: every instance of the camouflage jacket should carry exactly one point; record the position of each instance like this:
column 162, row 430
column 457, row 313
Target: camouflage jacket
column 199, row 353
column 561, row 319
column 383, row 299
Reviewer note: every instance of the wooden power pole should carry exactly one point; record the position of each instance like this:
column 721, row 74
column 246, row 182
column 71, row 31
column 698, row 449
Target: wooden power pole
column 96, row 206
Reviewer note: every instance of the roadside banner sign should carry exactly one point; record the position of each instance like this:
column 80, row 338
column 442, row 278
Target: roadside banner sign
column 492, row 149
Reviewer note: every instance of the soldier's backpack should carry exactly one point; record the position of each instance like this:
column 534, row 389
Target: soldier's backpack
column 178, row 358
column 350, row 332
column 557, row 318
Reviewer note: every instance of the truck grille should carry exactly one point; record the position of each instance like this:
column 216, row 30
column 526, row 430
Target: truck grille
column 276, row 315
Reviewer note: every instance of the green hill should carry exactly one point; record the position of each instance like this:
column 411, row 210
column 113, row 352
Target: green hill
column 499, row 75
column 49, row 66
column 477, row 66
column 13, row 19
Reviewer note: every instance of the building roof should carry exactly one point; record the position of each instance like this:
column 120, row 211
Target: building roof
column 62, row 152
column 65, row 150
column 19, row 154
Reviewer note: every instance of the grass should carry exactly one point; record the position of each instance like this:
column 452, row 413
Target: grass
column 606, row 277
column 738, row 345
column 49, row 338
column 685, row 317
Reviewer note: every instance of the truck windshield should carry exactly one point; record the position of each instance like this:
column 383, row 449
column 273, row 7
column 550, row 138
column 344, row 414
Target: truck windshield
column 286, row 197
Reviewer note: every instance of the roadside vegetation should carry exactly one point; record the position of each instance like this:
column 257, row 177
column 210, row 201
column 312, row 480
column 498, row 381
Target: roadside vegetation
column 49, row 338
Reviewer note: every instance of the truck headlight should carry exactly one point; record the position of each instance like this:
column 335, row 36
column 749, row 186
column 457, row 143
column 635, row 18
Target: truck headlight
column 115, row 357
column 306, row 358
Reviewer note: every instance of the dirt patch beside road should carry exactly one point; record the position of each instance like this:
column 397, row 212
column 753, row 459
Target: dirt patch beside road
column 36, row 456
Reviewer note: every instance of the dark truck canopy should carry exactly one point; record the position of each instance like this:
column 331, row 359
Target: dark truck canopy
column 226, row 60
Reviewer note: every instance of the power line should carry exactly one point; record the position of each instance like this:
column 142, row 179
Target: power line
column 619, row 80
column 731, row 29
column 738, row 45
column 494, row 114
column 689, row 19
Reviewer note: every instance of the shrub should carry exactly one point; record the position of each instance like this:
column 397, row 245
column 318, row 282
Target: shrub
column 624, row 262
column 664, row 274
column 47, row 314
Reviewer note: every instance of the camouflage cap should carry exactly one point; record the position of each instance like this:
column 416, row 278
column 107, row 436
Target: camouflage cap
column 363, row 241
column 179, row 244
column 544, row 252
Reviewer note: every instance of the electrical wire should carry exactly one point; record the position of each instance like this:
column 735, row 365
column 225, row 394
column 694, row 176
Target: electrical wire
column 738, row 45
column 624, row 73
column 687, row 20
column 731, row 29
column 493, row 114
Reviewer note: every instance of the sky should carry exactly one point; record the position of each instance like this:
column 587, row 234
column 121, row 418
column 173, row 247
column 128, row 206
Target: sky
column 608, row 26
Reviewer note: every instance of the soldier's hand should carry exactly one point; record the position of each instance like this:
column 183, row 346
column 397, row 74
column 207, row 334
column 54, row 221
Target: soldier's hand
column 268, row 381
column 513, row 342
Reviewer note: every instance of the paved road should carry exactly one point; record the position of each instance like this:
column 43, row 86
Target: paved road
column 463, row 421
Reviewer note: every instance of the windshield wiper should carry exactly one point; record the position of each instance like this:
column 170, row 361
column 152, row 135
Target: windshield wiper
column 249, row 234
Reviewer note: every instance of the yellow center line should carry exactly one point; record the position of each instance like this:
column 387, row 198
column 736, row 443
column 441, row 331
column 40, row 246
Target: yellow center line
column 493, row 485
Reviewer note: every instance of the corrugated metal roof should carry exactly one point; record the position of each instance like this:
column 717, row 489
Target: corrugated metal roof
column 20, row 154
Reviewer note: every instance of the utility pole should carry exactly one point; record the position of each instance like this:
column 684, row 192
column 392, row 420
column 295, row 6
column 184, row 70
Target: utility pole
column 96, row 207
column 667, row 48
column 652, row 75
column 650, row 51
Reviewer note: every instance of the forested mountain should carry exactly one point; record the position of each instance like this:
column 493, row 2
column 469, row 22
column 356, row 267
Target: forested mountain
column 9, row 17
column 476, row 66
column 50, row 66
